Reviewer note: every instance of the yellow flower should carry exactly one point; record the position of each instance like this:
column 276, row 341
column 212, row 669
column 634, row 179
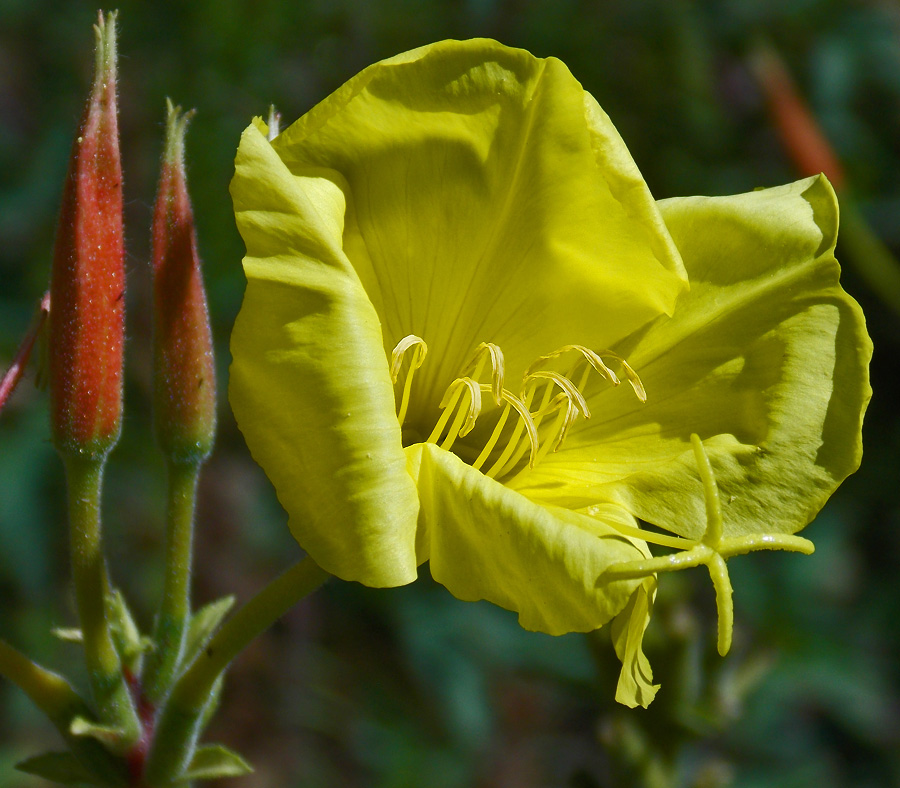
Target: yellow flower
column 452, row 264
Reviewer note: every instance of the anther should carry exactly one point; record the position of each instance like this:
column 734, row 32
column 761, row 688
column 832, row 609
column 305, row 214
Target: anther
column 594, row 359
column 419, row 350
column 631, row 376
column 569, row 388
column 465, row 419
column 399, row 352
column 476, row 363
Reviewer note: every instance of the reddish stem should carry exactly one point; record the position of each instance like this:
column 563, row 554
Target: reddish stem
column 14, row 374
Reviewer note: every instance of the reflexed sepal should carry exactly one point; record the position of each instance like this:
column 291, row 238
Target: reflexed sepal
column 213, row 762
column 62, row 768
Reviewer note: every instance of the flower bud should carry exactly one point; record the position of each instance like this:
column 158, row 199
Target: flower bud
column 87, row 284
column 184, row 372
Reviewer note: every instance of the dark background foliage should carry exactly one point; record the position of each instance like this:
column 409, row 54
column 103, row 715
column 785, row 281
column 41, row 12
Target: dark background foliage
column 409, row 687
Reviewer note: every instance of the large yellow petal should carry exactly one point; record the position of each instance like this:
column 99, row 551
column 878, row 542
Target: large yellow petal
column 766, row 358
column 485, row 541
column 309, row 382
column 489, row 199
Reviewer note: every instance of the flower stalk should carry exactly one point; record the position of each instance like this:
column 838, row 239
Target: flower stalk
column 184, row 392
column 13, row 375
column 181, row 719
column 84, row 478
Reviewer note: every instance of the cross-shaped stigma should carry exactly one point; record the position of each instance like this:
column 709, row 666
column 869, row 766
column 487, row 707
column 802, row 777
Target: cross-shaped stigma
column 712, row 550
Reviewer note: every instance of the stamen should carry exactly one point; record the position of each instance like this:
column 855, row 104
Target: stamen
column 457, row 428
column 420, row 349
column 515, row 448
column 569, row 404
column 560, row 395
column 448, row 404
column 476, row 363
column 492, row 441
column 589, row 355
column 569, row 388
column 596, row 361
column 567, row 414
column 526, row 422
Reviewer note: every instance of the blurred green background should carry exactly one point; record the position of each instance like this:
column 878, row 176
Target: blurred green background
column 409, row 687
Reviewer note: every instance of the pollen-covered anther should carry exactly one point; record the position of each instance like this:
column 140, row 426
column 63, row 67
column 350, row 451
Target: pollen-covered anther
column 399, row 352
column 419, row 350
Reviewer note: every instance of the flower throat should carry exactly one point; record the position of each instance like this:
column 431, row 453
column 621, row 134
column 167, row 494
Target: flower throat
column 548, row 390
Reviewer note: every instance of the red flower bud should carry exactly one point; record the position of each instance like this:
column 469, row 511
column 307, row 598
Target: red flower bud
column 184, row 371
column 87, row 285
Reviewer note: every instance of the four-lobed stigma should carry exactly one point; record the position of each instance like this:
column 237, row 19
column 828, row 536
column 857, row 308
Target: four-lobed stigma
column 547, row 389
column 711, row 550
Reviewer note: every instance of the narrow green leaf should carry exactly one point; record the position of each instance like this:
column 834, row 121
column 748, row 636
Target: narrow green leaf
column 203, row 623
column 58, row 767
column 130, row 644
column 214, row 761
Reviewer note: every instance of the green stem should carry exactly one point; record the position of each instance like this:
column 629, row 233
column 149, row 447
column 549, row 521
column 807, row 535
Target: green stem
column 175, row 607
column 84, row 477
column 54, row 696
column 869, row 254
column 179, row 723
